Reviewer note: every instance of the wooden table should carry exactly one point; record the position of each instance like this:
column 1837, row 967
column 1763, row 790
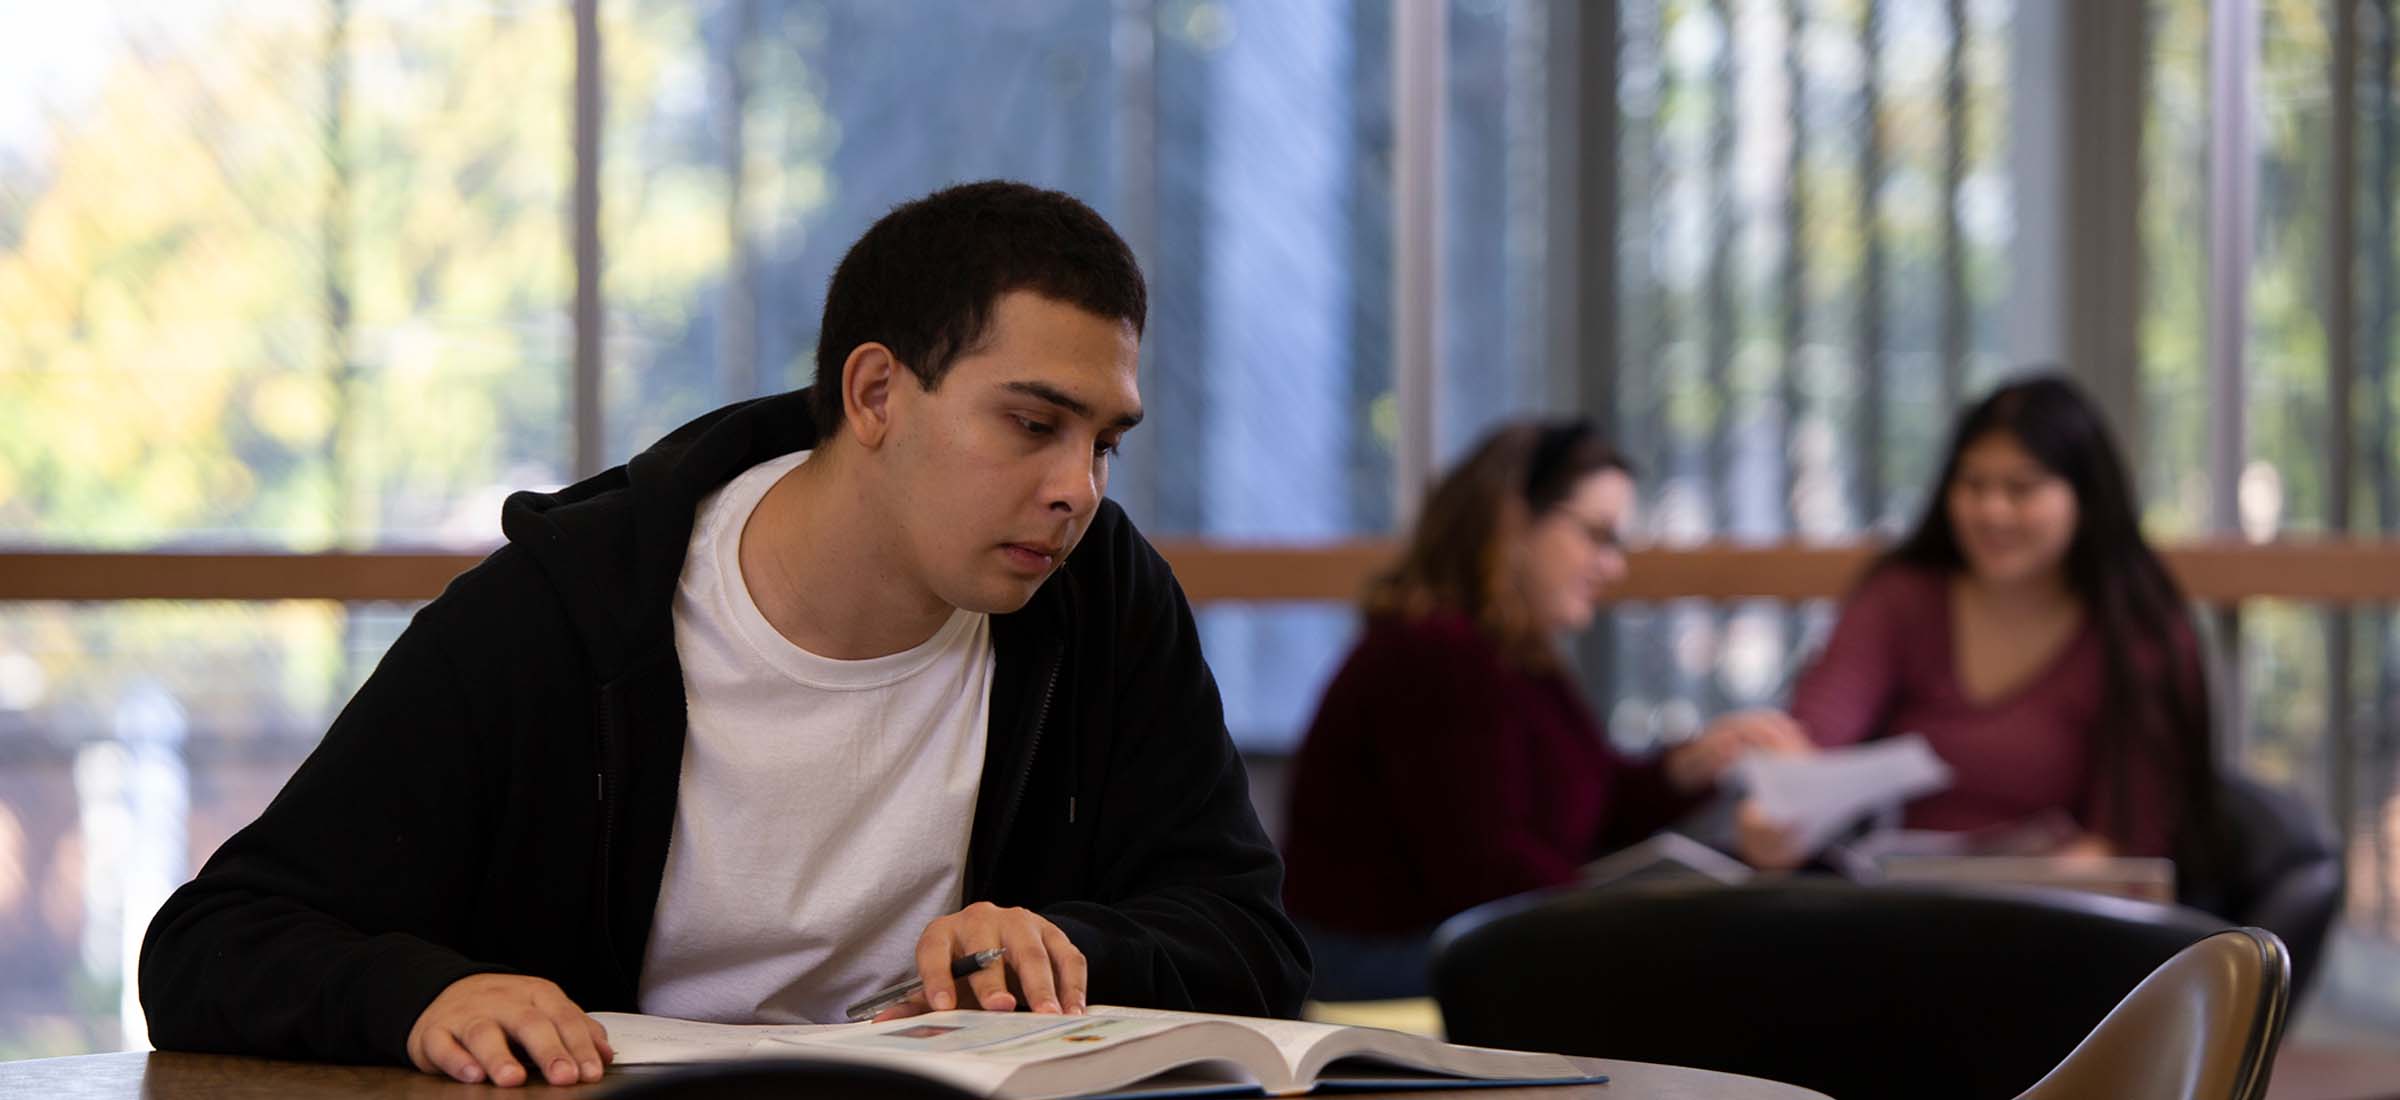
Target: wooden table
column 154, row 1076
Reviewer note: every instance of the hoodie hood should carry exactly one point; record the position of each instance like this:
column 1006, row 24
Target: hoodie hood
column 613, row 544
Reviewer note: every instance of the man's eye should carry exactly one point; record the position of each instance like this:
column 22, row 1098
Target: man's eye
column 1105, row 448
column 1034, row 427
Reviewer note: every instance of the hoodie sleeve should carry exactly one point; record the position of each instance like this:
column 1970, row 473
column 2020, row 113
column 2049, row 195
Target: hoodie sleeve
column 1188, row 912
column 316, row 931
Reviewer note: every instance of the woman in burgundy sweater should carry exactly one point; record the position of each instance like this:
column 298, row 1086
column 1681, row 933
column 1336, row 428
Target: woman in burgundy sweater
column 2031, row 636
column 1452, row 760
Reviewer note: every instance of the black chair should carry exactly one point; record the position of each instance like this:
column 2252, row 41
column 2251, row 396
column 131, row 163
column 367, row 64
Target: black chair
column 2205, row 1026
column 778, row 1079
column 2282, row 871
column 2279, row 866
column 1855, row 991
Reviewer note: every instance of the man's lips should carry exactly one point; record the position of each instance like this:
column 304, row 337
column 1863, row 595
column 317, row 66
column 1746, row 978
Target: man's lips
column 1032, row 556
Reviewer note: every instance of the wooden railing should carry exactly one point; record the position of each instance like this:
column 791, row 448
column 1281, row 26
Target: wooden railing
column 2324, row 572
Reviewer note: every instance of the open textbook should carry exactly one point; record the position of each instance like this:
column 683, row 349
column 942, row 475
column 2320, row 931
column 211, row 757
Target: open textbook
column 1125, row 1052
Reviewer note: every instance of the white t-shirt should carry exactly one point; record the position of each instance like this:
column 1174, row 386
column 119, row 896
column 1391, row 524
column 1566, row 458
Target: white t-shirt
column 822, row 817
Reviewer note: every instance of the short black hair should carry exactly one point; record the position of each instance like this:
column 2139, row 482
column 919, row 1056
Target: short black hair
column 924, row 279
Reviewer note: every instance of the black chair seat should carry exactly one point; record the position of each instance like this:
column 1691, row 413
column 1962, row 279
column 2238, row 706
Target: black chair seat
column 1856, row 991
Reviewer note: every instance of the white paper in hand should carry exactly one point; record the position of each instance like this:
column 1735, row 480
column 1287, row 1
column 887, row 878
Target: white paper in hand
column 1816, row 796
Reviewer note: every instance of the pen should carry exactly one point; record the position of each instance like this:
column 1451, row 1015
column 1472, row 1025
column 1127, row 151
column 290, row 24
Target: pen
column 959, row 968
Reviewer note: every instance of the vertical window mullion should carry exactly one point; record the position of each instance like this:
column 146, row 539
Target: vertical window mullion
column 1870, row 303
column 2341, row 365
column 1954, row 268
column 1419, row 40
column 2375, row 380
column 585, row 216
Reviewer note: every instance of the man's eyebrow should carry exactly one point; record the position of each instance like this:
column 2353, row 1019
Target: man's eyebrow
column 1043, row 391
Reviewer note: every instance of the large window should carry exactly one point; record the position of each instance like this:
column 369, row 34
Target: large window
column 2284, row 425
column 274, row 276
column 1815, row 230
column 300, row 276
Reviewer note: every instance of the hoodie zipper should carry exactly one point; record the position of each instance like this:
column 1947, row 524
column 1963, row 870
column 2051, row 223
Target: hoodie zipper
column 608, row 818
column 1033, row 744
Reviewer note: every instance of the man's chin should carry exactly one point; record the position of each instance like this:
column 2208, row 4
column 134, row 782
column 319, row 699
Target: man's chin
column 997, row 597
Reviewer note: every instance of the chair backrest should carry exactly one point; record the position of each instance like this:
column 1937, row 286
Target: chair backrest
column 1856, row 991
column 778, row 1079
column 2282, row 869
column 2204, row 1026
column 2283, row 872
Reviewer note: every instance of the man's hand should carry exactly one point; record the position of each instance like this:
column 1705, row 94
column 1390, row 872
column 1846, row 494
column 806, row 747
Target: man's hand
column 1041, row 970
column 467, row 1032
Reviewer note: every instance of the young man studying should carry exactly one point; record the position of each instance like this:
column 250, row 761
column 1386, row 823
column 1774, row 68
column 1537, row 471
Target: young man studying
column 821, row 691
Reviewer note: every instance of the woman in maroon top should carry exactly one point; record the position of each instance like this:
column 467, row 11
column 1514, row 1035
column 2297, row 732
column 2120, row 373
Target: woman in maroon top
column 1452, row 760
column 2031, row 636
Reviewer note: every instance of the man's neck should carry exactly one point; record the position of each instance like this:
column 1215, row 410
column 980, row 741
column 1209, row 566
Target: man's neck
column 820, row 560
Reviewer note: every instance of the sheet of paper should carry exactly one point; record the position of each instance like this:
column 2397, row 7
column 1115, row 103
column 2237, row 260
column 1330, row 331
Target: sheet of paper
column 1820, row 794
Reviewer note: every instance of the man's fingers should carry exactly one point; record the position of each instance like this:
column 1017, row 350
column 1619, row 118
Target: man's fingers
column 608, row 1054
column 913, row 1006
column 933, row 966
column 546, row 1050
column 485, row 1040
column 582, row 1053
column 443, row 1055
column 989, row 987
column 1044, row 968
column 1030, row 959
column 1068, row 963
column 416, row 1050
column 507, row 1029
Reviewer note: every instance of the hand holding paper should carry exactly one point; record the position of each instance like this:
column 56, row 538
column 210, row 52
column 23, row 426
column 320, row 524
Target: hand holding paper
column 1812, row 798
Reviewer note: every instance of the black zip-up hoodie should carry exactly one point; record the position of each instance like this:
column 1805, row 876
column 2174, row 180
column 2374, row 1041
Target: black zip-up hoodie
column 499, row 793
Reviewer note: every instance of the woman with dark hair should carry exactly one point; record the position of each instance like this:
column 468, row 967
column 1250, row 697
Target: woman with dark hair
column 2033, row 638
column 1452, row 760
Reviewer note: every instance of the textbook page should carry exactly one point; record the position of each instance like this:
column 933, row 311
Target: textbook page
column 998, row 1054
column 1116, row 1051
column 1308, row 1049
column 657, row 1040
column 1024, row 1055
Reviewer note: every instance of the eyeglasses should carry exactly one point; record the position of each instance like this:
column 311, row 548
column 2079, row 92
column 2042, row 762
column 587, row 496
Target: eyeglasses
column 1603, row 535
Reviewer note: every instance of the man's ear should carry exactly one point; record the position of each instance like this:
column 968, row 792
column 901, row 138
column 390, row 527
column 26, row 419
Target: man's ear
column 868, row 377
